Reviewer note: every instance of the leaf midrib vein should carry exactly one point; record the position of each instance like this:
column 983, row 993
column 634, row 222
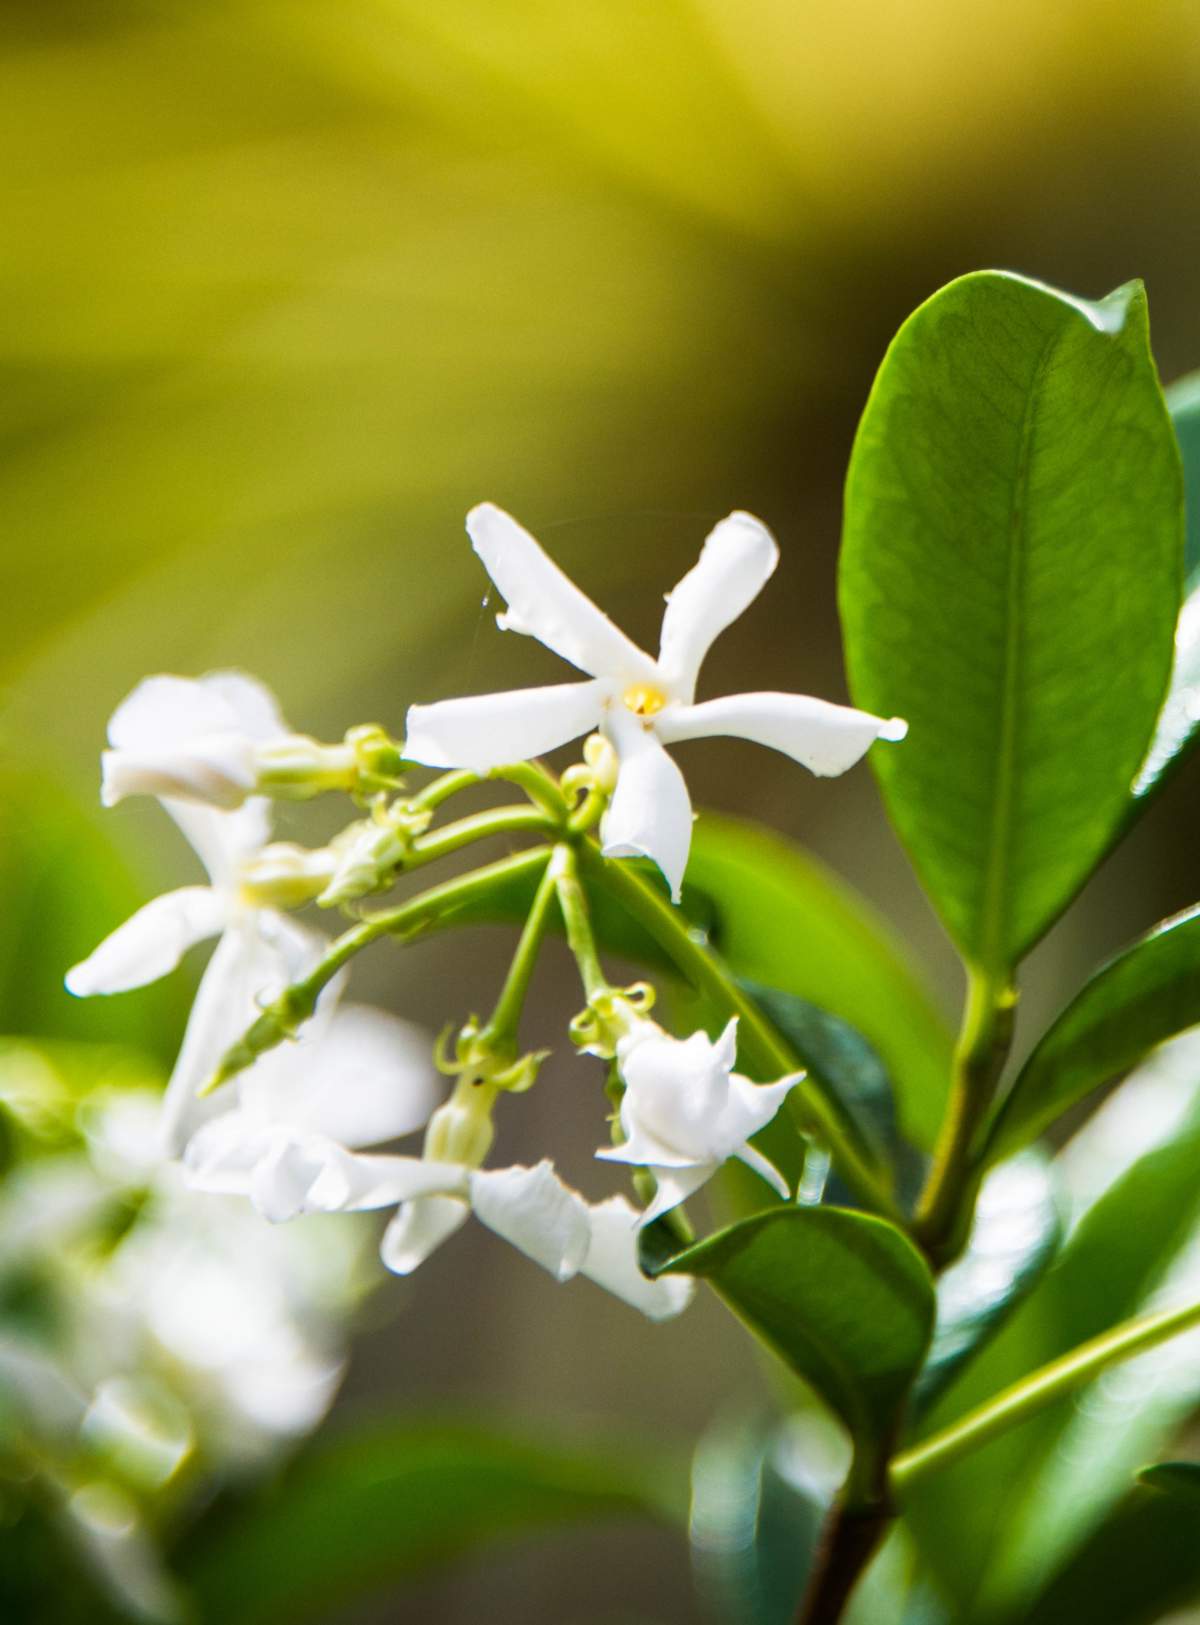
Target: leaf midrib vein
column 999, row 846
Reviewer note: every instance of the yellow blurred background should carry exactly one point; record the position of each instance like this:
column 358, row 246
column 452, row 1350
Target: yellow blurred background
column 286, row 287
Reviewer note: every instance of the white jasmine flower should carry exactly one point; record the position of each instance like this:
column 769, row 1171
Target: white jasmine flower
column 685, row 1111
column 197, row 740
column 359, row 1078
column 640, row 704
column 260, row 950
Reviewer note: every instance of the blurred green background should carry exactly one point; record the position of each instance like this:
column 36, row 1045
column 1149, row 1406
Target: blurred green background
column 286, row 287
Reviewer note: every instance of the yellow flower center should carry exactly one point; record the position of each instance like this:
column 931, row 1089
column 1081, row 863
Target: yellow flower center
column 644, row 700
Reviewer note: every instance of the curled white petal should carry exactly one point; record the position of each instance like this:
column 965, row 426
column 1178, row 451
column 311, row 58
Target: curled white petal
column 537, row 1213
column 355, row 1182
column 612, row 1263
column 223, row 840
column 764, row 1168
column 485, row 731
column 823, row 737
column 651, row 813
column 545, row 604
column 218, row 769
column 738, row 556
column 419, row 1228
column 675, row 1185
column 150, row 943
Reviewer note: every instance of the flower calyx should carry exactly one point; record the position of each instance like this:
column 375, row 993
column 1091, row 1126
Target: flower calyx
column 296, row 768
column 609, row 1017
column 484, row 1060
column 369, row 853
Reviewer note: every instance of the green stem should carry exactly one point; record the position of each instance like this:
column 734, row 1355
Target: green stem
column 1013, row 1405
column 449, row 784
column 502, row 1028
column 439, row 843
column 581, row 940
column 538, row 785
column 764, row 1048
column 944, row 1210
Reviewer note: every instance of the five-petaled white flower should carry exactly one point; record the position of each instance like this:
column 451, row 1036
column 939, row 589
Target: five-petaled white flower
column 260, row 950
column 685, row 1111
column 640, row 704
column 192, row 739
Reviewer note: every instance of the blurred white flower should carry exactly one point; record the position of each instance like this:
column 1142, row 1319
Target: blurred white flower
column 191, row 739
column 641, row 704
column 685, row 1111
column 261, row 950
column 357, row 1078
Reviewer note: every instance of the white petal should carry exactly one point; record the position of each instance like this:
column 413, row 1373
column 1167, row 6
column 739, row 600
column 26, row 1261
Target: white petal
column 151, row 942
column 675, row 1185
column 223, row 1008
column 355, row 1182
column 537, row 1213
column 217, row 770
column 252, row 704
column 488, row 730
column 366, row 1078
column 284, row 1175
column 546, row 604
column 678, row 1090
column 764, row 1169
column 735, row 562
column 650, row 814
column 222, row 1154
column 163, row 711
column 751, row 1106
column 823, row 737
column 612, row 1263
column 223, row 840
column 420, row 1227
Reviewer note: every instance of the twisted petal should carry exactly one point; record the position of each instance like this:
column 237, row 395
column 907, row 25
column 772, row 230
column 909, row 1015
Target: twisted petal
column 546, row 604
column 151, row 942
column 675, row 1185
column 537, row 1213
column 651, row 813
column 823, row 737
column 764, row 1169
column 751, row 1106
column 420, row 1227
column 485, row 731
column 223, row 839
column 353, row 1182
column 613, row 1264
column 737, row 558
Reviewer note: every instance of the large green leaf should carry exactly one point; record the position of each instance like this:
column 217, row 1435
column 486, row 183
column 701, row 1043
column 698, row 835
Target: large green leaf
column 779, row 917
column 1174, row 1478
column 1179, row 721
column 390, row 1500
column 1013, row 535
column 1013, row 1239
column 1143, row 996
column 843, row 1298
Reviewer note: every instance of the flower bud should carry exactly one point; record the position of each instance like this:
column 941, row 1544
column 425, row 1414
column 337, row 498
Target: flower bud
column 461, row 1131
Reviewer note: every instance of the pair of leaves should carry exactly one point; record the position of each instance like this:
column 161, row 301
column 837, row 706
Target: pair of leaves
column 391, row 1500
column 1014, row 522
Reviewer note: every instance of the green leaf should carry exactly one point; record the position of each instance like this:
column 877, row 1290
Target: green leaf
column 1174, row 1478
column 1139, row 1565
column 1014, row 1237
column 1146, row 994
column 1179, row 721
column 780, row 918
column 1014, row 524
column 394, row 1499
column 843, row 1298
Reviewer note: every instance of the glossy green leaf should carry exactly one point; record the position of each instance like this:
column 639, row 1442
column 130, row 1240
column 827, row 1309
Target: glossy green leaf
column 779, row 917
column 1013, row 525
column 844, row 1299
column 1173, row 1478
column 391, row 1500
column 1179, row 721
column 1138, row 1566
column 1013, row 1239
column 1145, row 995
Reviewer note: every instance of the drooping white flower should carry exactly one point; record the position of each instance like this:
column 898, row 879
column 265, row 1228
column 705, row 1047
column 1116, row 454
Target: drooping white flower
column 641, row 704
column 685, row 1111
column 260, row 951
column 357, row 1078
column 192, row 739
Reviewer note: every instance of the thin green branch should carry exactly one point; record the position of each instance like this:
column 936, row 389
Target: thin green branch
column 502, row 1028
column 1040, row 1388
column 763, row 1046
column 581, row 940
column 515, row 820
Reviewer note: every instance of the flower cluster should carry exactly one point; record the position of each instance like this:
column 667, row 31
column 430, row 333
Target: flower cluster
column 320, row 1088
